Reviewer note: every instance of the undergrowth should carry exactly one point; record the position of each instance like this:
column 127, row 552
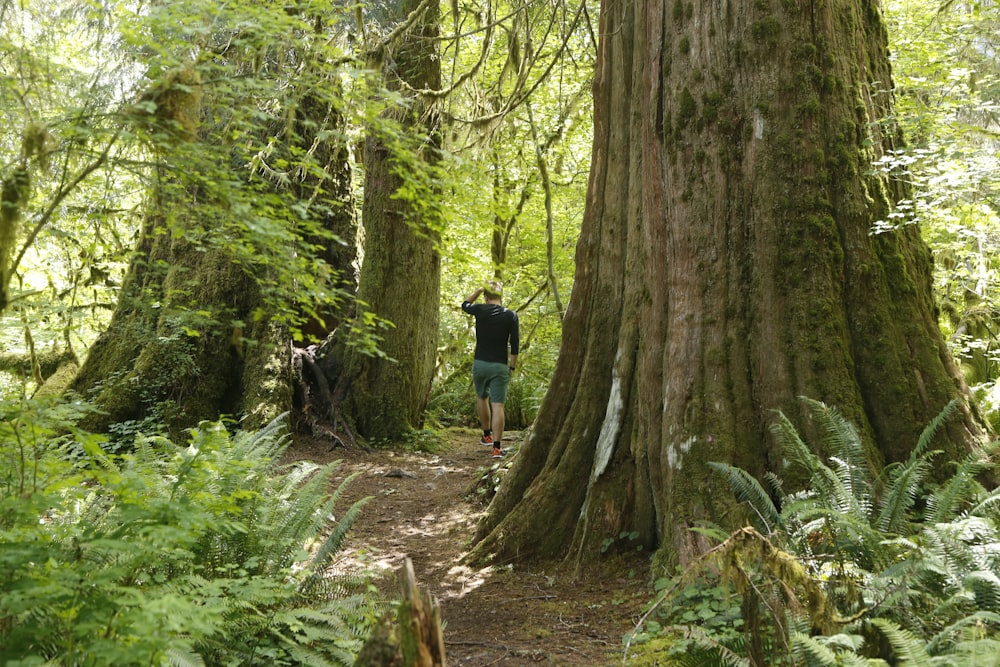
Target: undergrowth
column 206, row 553
column 864, row 567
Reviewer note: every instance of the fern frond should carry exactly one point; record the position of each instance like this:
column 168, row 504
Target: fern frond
column 813, row 652
column 927, row 435
column 299, row 520
column 981, row 652
column 961, row 490
column 908, row 647
column 776, row 485
column 848, row 648
column 950, row 635
column 851, row 493
column 180, row 654
column 841, row 439
column 985, row 586
column 709, row 652
column 900, row 495
column 795, row 450
column 268, row 443
column 748, row 490
column 987, row 503
column 342, row 487
column 331, row 545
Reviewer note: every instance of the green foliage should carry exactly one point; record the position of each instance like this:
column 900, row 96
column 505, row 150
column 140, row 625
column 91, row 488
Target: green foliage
column 864, row 567
column 209, row 553
column 515, row 199
column 115, row 92
column 947, row 79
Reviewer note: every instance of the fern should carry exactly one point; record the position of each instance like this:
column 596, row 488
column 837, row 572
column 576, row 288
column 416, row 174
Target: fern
column 900, row 495
column 841, row 440
column 748, row 490
column 811, row 651
column 908, row 648
column 194, row 555
column 928, row 584
column 931, row 430
column 950, row 638
column 792, row 446
column 985, row 586
column 962, row 489
column 180, row 654
column 332, row 544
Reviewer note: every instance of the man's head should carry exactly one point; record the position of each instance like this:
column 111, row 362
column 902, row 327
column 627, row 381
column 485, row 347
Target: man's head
column 493, row 290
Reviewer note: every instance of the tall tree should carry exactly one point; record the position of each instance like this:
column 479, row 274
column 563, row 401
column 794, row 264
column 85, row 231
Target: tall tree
column 243, row 203
column 726, row 266
column 401, row 272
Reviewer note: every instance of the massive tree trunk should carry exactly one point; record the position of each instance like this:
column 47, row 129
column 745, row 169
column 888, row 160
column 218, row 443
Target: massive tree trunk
column 195, row 334
column 726, row 267
column 401, row 271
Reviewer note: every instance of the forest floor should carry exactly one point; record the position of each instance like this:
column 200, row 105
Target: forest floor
column 425, row 506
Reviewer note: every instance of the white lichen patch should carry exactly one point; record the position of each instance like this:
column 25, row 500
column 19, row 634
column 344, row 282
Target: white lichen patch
column 675, row 453
column 609, row 429
column 758, row 124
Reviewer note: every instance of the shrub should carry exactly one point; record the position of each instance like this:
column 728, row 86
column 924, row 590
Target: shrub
column 865, row 566
column 209, row 553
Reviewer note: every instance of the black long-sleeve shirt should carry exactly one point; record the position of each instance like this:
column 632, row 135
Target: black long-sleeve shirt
column 495, row 326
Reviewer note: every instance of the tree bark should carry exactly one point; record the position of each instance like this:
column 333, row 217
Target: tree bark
column 401, row 272
column 194, row 336
column 726, row 267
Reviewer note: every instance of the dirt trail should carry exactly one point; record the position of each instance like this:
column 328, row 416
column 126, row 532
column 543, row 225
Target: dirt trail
column 507, row 615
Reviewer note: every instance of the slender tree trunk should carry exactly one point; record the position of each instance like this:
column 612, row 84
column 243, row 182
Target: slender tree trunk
column 401, row 271
column 726, row 266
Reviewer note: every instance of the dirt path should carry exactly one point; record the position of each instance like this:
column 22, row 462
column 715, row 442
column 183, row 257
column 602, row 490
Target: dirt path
column 423, row 507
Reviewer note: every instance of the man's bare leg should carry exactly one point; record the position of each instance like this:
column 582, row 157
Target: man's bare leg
column 497, row 423
column 483, row 410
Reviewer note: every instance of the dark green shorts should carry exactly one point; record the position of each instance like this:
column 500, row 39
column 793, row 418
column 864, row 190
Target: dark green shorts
column 491, row 380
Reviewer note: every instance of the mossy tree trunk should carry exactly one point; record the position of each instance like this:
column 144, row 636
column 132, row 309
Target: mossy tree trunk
column 173, row 353
column 401, row 272
column 726, row 267
column 194, row 335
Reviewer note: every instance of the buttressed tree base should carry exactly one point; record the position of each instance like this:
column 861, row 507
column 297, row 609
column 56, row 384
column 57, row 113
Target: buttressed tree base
column 726, row 267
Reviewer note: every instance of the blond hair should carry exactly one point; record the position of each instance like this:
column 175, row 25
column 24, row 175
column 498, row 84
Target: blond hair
column 493, row 289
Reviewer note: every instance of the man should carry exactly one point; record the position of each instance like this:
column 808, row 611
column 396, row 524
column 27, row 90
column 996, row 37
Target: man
column 496, row 326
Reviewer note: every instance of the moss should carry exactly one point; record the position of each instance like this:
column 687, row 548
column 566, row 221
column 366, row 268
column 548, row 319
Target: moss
column 806, row 51
column 766, row 31
column 816, row 77
column 739, row 50
column 817, row 156
column 678, row 10
column 687, row 107
column 810, row 108
column 684, row 46
column 710, row 103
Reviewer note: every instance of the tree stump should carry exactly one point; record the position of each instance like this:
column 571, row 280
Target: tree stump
column 416, row 639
